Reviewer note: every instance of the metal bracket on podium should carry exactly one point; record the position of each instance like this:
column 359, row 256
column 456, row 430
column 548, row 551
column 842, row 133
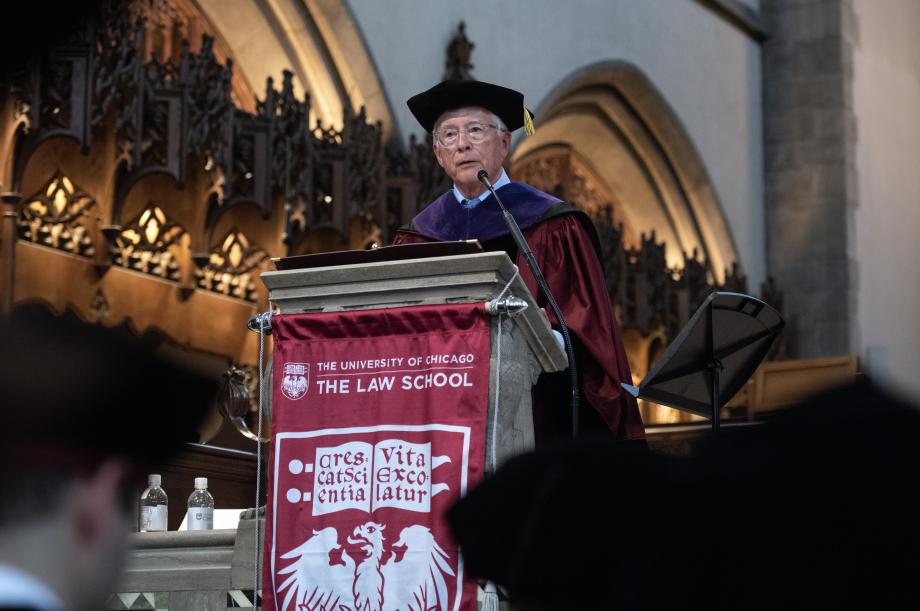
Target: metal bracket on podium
column 510, row 306
column 260, row 323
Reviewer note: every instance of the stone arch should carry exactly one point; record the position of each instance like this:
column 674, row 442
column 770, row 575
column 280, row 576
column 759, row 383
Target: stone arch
column 318, row 40
column 640, row 156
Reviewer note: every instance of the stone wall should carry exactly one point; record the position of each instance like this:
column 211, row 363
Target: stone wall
column 886, row 99
column 810, row 177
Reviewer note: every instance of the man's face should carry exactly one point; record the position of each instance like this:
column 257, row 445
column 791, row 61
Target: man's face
column 464, row 160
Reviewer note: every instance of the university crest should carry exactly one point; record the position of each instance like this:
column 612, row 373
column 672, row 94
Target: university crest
column 296, row 380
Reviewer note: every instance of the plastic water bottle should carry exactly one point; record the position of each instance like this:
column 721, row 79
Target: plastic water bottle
column 201, row 506
column 153, row 506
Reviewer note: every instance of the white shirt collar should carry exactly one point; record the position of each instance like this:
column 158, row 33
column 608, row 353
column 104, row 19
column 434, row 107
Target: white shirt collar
column 498, row 184
column 21, row 589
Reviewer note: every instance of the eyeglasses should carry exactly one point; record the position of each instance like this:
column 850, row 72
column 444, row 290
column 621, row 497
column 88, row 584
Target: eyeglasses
column 475, row 132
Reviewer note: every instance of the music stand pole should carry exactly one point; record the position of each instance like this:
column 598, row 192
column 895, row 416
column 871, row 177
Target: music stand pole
column 714, row 374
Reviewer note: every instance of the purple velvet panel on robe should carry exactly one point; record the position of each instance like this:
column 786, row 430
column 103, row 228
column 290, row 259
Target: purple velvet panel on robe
column 445, row 219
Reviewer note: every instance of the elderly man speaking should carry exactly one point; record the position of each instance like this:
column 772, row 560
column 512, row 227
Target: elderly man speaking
column 471, row 122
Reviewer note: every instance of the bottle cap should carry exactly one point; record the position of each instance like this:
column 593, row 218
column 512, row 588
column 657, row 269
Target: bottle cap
column 153, row 479
column 201, row 483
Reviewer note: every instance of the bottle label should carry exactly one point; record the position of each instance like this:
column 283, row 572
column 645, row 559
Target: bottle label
column 200, row 518
column 153, row 519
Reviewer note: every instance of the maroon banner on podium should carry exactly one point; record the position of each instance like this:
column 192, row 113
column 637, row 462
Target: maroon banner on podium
column 378, row 427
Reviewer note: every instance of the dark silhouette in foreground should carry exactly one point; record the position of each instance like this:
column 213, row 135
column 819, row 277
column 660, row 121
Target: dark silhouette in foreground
column 87, row 411
column 813, row 509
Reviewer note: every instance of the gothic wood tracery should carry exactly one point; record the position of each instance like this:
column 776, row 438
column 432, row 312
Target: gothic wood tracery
column 230, row 266
column 56, row 216
column 149, row 244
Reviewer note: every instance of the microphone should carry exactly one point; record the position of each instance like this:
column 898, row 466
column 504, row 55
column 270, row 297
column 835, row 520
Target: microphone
column 524, row 248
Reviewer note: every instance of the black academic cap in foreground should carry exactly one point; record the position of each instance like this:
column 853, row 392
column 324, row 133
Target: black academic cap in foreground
column 75, row 393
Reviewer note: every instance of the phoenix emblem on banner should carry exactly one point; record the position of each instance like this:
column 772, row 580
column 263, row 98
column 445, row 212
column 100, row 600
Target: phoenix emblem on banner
column 296, row 380
column 409, row 575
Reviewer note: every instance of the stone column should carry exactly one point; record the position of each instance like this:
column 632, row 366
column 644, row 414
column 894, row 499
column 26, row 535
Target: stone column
column 810, row 175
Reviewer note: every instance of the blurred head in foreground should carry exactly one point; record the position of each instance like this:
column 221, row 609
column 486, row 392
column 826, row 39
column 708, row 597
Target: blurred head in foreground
column 86, row 412
column 814, row 509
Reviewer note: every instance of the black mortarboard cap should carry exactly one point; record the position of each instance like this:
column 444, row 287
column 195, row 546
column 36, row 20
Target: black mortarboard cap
column 75, row 393
column 508, row 104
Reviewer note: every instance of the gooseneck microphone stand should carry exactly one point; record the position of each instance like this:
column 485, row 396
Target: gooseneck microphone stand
column 538, row 275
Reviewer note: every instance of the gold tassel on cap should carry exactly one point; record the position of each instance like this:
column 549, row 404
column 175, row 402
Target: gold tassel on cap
column 528, row 123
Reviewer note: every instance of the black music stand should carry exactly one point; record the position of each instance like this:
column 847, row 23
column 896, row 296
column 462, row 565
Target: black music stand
column 713, row 356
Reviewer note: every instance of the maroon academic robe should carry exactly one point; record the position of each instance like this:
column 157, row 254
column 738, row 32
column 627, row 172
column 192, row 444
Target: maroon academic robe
column 566, row 248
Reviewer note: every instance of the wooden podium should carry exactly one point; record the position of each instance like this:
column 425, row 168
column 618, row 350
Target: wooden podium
column 528, row 346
